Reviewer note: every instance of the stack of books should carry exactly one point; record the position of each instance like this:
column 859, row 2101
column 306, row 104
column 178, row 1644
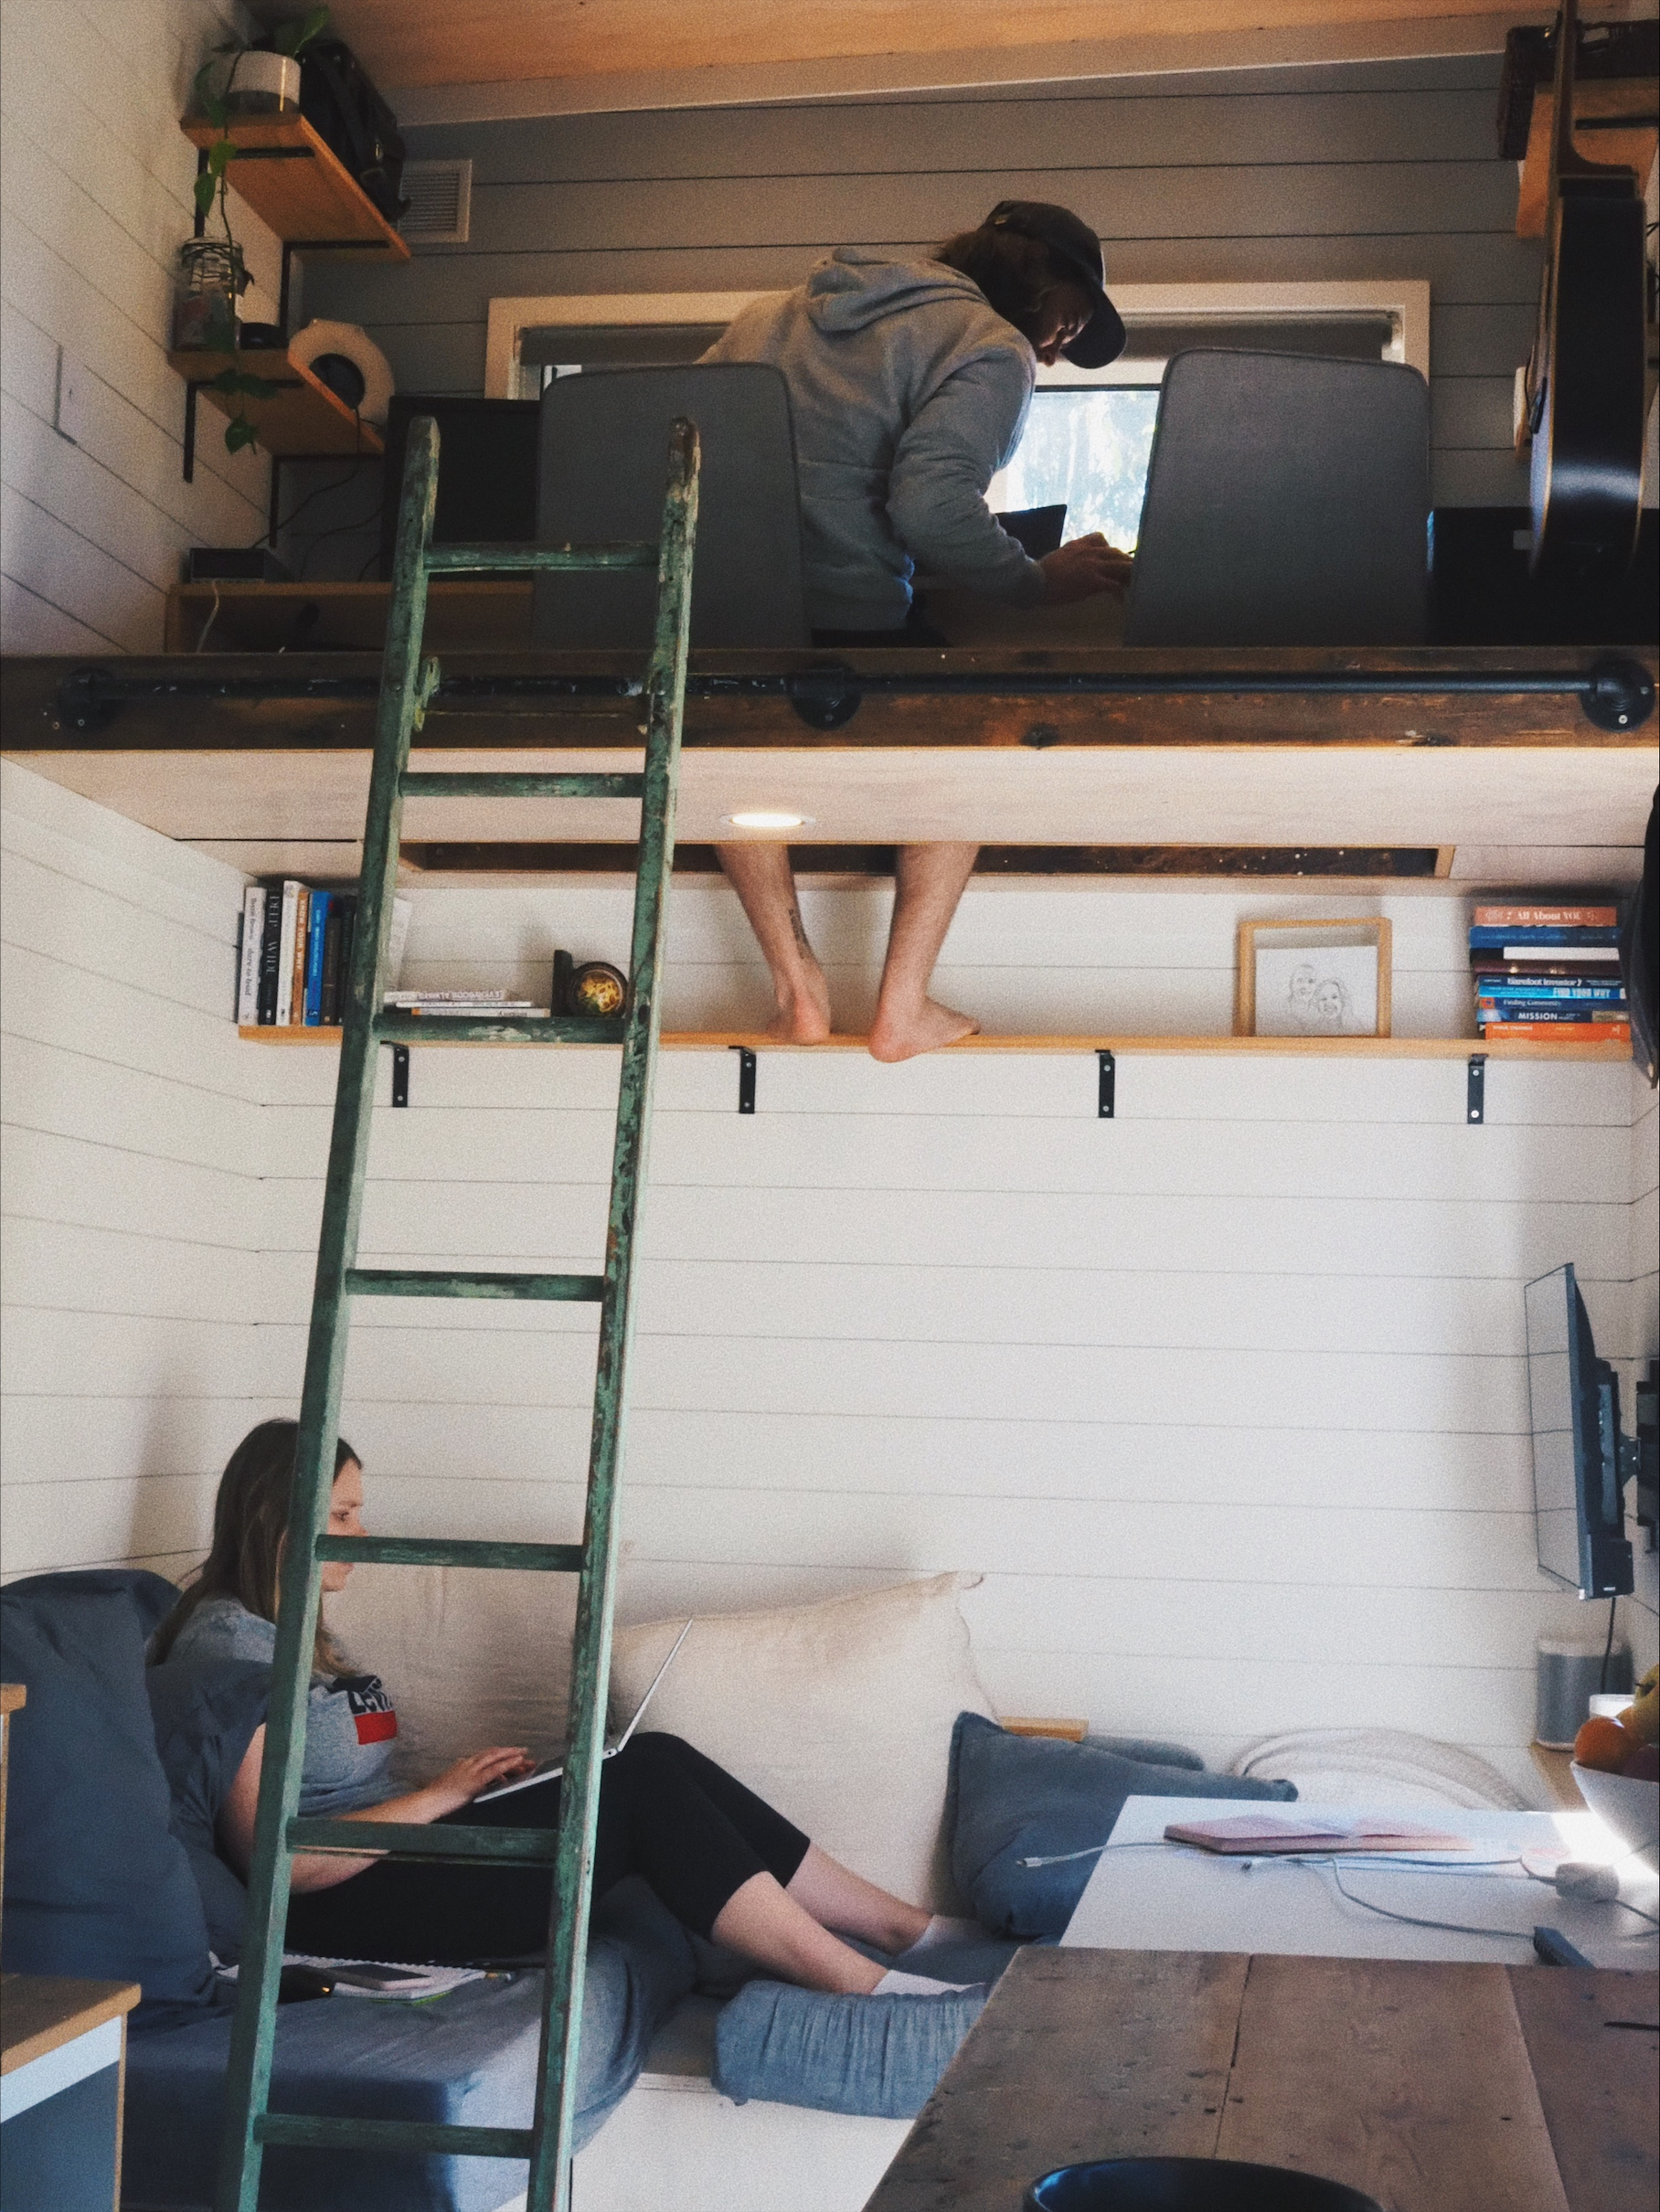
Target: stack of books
column 482, row 1005
column 1552, row 970
column 296, row 952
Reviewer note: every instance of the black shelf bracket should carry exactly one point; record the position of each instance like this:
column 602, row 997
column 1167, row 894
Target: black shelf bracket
column 1476, row 1088
column 745, row 1078
column 400, row 1075
column 1107, row 1086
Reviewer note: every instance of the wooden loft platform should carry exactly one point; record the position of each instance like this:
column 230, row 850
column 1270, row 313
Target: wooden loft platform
column 1510, row 764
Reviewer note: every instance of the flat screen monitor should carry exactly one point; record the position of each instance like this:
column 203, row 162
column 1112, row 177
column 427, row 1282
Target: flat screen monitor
column 1574, row 1405
column 486, row 469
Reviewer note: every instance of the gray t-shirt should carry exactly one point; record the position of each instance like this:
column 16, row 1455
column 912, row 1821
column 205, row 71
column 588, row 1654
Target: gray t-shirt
column 350, row 1725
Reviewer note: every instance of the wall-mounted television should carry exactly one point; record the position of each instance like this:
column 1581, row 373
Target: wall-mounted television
column 1581, row 1463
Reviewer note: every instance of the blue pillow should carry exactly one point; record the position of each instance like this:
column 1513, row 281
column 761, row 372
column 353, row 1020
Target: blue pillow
column 879, row 2055
column 1015, row 1797
column 96, row 1882
column 204, row 1713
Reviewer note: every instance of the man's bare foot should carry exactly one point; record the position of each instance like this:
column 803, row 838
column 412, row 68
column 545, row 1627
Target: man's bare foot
column 803, row 1014
column 901, row 1037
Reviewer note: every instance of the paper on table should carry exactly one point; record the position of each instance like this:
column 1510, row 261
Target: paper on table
column 1264, row 1834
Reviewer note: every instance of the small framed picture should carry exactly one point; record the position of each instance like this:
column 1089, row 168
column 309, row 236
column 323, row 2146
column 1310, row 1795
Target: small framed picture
column 1312, row 978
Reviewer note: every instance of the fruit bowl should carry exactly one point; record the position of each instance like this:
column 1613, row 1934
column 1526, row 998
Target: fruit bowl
column 1627, row 1808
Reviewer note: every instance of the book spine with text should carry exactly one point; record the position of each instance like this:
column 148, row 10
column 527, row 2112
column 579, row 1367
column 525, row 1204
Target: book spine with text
column 320, row 904
column 1561, row 1033
column 247, row 957
column 285, row 955
column 296, row 967
column 270, row 940
column 1546, row 918
column 335, row 934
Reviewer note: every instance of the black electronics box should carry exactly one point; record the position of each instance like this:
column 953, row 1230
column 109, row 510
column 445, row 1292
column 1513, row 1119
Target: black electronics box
column 235, row 565
column 1481, row 593
column 486, row 470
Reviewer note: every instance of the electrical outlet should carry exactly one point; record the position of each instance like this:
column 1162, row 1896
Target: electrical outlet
column 69, row 417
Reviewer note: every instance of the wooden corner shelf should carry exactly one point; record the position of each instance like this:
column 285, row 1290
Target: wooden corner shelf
column 295, row 181
column 1344, row 1048
column 302, row 417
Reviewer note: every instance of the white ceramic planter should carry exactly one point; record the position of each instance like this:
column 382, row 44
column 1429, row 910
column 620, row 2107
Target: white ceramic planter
column 263, row 84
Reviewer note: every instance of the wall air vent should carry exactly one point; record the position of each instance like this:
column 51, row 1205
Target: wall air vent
column 439, row 194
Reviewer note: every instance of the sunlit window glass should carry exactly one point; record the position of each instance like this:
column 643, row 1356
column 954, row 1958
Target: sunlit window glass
column 1088, row 447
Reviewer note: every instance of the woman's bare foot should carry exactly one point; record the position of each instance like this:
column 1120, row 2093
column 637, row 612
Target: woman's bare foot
column 803, row 1007
column 901, row 1034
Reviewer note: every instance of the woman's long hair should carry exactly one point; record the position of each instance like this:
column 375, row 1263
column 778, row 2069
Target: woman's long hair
column 1015, row 274
column 249, row 1523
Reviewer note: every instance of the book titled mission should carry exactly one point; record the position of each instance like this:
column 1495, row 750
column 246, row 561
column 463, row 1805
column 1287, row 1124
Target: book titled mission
column 294, row 954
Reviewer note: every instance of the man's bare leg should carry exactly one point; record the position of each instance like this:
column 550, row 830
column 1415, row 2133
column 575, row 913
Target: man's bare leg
column 761, row 875
column 929, row 880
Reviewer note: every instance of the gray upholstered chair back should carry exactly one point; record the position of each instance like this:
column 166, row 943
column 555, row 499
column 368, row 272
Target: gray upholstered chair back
column 604, row 460
column 1288, row 504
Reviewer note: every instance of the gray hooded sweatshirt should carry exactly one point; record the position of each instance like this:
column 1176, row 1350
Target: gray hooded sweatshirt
column 907, row 394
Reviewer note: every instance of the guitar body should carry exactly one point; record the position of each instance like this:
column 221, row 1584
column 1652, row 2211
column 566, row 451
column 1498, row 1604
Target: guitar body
column 1589, row 400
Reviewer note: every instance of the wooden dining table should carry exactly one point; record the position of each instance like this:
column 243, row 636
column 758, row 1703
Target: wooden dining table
column 1432, row 2088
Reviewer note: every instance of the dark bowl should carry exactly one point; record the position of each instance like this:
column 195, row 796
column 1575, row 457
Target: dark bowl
column 1189, row 2185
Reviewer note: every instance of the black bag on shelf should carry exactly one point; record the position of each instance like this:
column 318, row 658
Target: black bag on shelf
column 341, row 104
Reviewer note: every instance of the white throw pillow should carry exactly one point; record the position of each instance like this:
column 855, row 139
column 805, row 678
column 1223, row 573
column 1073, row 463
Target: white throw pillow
column 839, row 1714
column 471, row 1656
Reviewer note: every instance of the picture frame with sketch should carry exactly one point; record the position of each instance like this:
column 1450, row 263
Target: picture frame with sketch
column 1314, row 980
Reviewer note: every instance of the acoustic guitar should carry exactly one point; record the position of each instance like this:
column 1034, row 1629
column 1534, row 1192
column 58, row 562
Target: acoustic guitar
column 1586, row 379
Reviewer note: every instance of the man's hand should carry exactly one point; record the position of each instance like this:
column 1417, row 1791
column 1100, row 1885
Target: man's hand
column 1083, row 568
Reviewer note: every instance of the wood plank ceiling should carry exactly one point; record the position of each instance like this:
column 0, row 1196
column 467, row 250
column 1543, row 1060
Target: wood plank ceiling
column 436, row 42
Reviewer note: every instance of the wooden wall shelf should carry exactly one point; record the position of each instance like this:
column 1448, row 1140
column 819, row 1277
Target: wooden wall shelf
column 303, row 417
column 297, row 185
column 1346, row 1048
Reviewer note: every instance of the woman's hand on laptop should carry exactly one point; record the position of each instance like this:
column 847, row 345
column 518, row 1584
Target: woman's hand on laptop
column 1083, row 568
column 460, row 1784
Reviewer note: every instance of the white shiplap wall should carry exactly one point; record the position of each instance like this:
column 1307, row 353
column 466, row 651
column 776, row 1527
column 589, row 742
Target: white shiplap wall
column 96, row 182
column 130, row 1186
column 1223, row 1398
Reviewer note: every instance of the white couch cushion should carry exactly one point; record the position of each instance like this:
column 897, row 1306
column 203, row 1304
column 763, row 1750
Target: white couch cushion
column 472, row 1656
column 839, row 1714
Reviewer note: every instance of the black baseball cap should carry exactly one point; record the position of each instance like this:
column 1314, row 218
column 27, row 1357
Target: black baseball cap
column 1073, row 243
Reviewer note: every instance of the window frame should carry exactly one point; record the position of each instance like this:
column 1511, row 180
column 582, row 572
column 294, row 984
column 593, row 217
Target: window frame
column 1405, row 300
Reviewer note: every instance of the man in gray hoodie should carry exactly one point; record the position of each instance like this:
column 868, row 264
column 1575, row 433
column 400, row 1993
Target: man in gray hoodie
column 910, row 383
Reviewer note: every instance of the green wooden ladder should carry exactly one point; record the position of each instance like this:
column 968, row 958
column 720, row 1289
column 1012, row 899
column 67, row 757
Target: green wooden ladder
column 408, row 683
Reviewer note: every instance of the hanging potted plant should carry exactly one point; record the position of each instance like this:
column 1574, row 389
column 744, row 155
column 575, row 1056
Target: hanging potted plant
column 212, row 276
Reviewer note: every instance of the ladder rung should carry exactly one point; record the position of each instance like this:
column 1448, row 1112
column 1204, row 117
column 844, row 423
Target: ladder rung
column 452, row 1551
column 438, row 1283
column 398, row 1839
column 509, row 786
column 431, row 2136
column 533, row 559
column 399, row 1029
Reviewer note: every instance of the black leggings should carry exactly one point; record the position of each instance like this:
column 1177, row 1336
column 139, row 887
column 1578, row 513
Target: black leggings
column 666, row 1813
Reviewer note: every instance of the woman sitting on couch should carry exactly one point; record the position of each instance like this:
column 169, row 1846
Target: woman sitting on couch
column 722, row 1860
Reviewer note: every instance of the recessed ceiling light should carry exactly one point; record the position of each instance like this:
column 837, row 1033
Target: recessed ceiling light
column 762, row 818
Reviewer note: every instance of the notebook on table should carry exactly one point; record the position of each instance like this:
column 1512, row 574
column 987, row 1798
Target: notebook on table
column 1262, row 1834
column 550, row 1768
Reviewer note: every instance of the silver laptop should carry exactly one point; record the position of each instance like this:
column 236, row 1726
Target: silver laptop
column 549, row 1767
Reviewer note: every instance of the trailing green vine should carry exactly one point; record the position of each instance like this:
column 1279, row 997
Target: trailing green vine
column 290, row 39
